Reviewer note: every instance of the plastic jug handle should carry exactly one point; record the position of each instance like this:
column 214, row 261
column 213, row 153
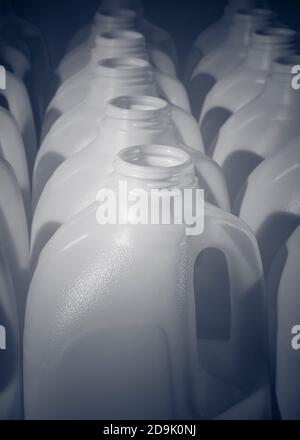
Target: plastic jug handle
column 211, row 179
column 235, row 240
column 187, row 127
column 162, row 61
column 172, row 90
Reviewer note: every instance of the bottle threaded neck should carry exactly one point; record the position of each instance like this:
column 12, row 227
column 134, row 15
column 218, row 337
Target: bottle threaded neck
column 119, row 19
column 119, row 43
column 159, row 166
column 255, row 17
column 121, row 39
column 274, row 38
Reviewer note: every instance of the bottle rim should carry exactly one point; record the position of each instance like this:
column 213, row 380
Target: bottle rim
column 138, row 107
column 123, row 67
column 153, row 162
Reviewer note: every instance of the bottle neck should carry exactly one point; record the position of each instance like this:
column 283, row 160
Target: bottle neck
column 268, row 45
column 118, row 77
column 137, row 112
column 262, row 59
column 279, row 90
column 113, row 6
column 110, row 22
column 155, row 167
column 119, row 44
column 245, row 23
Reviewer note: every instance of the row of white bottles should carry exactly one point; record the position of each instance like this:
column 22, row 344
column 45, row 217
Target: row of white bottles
column 109, row 44
column 22, row 49
column 126, row 121
column 249, row 125
column 77, row 128
column 155, row 35
column 105, row 301
column 130, row 321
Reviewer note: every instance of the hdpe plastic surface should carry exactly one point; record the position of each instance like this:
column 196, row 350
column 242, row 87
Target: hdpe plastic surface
column 261, row 128
column 77, row 128
column 107, row 45
column 214, row 35
column 126, row 121
column 224, row 59
column 287, row 328
column 107, row 300
column 246, row 82
column 269, row 201
column 10, row 349
column 14, row 237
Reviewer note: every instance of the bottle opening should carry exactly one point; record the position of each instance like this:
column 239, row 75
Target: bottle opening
column 137, row 108
column 153, row 162
column 123, row 67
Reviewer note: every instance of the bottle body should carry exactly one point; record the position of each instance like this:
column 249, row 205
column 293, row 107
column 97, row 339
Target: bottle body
column 287, row 347
column 10, row 348
column 259, row 129
column 226, row 58
column 161, row 321
column 237, row 89
column 213, row 36
column 14, row 235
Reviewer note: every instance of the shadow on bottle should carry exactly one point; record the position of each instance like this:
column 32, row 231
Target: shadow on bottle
column 237, row 168
column 197, row 90
column 212, row 122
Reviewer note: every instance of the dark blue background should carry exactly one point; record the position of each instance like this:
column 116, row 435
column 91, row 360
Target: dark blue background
column 183, row 18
